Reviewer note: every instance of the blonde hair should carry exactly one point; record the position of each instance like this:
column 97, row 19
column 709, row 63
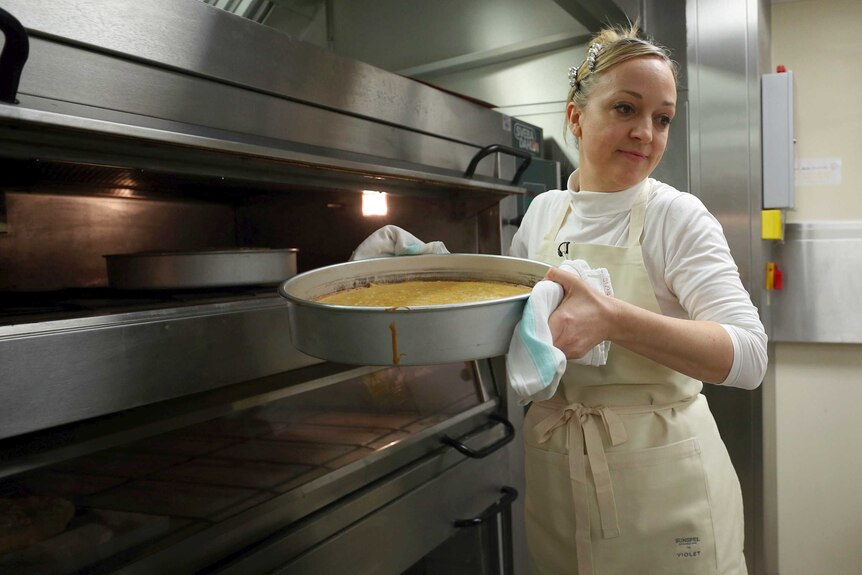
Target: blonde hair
column 612, row 46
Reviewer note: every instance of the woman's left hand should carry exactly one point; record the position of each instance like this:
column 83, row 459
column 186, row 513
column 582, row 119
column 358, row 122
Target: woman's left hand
column 582, row 320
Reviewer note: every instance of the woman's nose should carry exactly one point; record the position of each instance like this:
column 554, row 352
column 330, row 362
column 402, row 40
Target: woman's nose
column 642, row 130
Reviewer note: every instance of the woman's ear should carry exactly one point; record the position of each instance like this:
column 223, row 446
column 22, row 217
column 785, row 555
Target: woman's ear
column 573, row 114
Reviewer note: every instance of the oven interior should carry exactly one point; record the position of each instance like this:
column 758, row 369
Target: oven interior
column 183, row 429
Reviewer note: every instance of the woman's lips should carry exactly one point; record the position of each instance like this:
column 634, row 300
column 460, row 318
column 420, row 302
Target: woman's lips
column 634, row 155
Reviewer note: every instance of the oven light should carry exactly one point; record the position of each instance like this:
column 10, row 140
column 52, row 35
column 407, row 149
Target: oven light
column 374, row 203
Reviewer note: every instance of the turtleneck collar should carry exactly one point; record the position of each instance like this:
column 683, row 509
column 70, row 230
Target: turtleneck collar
column 599, row 204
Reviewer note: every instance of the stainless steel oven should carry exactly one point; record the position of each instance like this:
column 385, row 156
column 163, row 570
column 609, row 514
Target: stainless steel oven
column 177, row 430
column 323, row 469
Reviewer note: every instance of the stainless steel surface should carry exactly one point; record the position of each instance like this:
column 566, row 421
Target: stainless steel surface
column 254, row 10
column 287, row 463
column 728, row 50
column 408, row 336
column 203, row 269
column 665, row 22
column 356, row 550
column 57, row 372
column 189, row 35
column 822, row 297
column 103, row 71
column 595, row 14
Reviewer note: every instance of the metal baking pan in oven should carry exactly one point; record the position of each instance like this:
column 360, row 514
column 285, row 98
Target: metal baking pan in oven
column 421, row 335
column 201, row 269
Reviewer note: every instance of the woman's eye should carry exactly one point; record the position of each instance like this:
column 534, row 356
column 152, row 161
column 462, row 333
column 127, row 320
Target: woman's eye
column 664, row 120
column 624, row 108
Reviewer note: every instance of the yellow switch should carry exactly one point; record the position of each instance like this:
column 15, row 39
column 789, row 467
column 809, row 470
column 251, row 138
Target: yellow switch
column 771, row 225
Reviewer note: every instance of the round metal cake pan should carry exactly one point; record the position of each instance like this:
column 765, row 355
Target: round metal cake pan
column 201, row 269
column 421, row 335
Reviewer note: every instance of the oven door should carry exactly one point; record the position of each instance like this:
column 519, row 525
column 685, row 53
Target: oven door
column 307, row 471
column 444, row 515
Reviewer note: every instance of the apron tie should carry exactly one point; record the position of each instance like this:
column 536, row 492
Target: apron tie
column 583, row 434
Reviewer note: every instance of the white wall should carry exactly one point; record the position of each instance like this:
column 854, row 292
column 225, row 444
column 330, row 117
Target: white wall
column 817, row 387
column 821, row 42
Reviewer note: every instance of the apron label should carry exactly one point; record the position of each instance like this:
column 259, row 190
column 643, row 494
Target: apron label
column 560, row 251
column 687, row 547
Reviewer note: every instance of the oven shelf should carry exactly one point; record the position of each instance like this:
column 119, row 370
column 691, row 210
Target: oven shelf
column 67, row 370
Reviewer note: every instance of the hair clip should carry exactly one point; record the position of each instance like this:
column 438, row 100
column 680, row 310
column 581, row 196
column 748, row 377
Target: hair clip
column 592, row 54
column 573, row 76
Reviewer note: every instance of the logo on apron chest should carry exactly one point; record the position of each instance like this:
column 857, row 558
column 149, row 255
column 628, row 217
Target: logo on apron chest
column 563, row 249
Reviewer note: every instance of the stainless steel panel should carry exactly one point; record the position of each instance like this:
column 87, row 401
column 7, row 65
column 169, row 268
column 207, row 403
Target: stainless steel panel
column 594, row 14
column 210, row 43
column 664, row 20
column 725, row 126
column 56, row 372
column 168, row 147
column 469, row 487
column 822, row 296
column 726, row 55
column 155, row 86
column 63, row 79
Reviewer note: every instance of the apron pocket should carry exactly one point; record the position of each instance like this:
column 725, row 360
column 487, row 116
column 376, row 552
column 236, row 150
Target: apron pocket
column 664, row 514
column 549, row 512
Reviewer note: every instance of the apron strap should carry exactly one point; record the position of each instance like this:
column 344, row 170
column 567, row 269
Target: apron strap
column 583, row 435
column 638, row 215
column 584, row 443
column 551, row 236
column 636, row 220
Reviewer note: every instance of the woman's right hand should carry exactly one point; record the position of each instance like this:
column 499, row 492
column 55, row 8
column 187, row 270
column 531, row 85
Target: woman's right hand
column 582, row 320
column 393, row 241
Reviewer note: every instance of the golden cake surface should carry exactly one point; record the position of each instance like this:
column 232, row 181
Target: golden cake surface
column 423, row 292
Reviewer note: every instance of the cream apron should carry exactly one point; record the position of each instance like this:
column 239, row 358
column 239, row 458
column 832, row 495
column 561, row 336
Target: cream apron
column 626, row 472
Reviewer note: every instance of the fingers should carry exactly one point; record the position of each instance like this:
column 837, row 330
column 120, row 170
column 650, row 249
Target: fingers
column 564, row 278
column 579, row 323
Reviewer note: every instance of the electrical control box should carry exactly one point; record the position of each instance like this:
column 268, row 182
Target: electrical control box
column 779, row 141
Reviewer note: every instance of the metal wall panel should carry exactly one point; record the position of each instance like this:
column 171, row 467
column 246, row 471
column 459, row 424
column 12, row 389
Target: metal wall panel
column 727, row 52
column 821, row 300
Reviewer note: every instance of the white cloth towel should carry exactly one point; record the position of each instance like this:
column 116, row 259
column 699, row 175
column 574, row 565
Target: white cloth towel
column 534, row 366
column 393, row 241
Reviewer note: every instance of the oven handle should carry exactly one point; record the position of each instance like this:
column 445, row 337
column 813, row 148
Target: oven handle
column 489, row 449
column 16, row 48
column 471, row 168
column 509, row 495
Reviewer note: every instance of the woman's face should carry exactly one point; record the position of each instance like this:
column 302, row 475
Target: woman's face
column 623, row 129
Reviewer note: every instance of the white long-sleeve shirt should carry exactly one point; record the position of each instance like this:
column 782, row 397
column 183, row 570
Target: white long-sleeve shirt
column 685, row 253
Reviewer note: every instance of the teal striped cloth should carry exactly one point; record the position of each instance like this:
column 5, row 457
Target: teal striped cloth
column 534, row 366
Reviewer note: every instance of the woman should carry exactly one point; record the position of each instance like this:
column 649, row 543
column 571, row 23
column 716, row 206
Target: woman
column 626, row 472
